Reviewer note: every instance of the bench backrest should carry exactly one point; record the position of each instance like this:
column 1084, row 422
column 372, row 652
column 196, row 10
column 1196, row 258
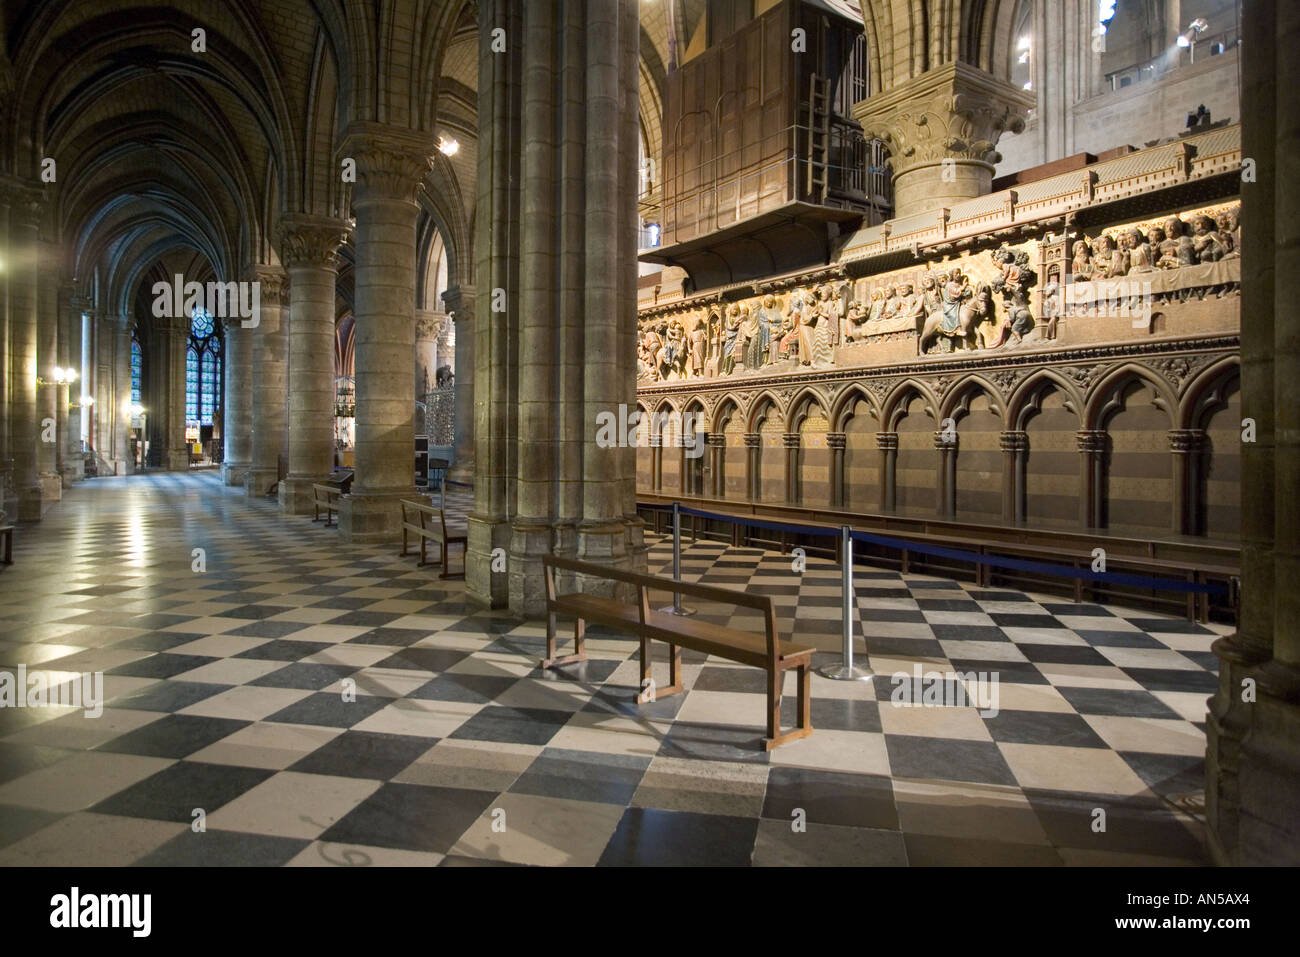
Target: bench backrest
column 644, row 584
column 425, row 511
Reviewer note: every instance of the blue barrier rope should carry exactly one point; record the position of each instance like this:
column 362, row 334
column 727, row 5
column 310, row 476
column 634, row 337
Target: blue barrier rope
column 996, row 561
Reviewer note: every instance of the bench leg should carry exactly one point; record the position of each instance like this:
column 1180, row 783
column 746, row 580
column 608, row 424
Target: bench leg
column 804, row 727
column 446, row 568
column 552, row 658
column 402, row 553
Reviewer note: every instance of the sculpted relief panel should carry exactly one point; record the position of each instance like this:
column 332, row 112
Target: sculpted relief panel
column 984, row 302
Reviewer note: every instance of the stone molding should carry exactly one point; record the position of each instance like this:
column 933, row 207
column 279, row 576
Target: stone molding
column 312, row 240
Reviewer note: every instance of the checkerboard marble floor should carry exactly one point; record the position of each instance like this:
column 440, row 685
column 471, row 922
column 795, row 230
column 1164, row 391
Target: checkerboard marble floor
column 303, row 702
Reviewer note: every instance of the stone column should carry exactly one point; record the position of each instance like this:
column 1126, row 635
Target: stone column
column 1253, row 758
column 74, row 462
column 717, row 464
column 1186, row 446
column 390, row 164
column 837, row 442
column 47, row 359
column 8, row 502
column 237, row 426
column 176, row 450
column 24, row 235
column 793, row 492
column 309, row 250
column 887, row 442
column 656, row 463
column 946, row 445
column 1015, row 446
column 753, row 465
column 459, row 302
column 1092, row 464
column 105, row 404
column 122, row 396
column 270, row 383
column 429, row 325
column 941, row 129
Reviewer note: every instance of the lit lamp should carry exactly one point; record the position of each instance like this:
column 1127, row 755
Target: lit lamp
column 61, row 377
column 1194, row 30
column 448, row 147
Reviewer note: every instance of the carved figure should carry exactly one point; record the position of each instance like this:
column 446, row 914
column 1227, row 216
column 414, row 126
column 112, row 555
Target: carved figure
column 955, row 314
column 1140, row 255
column 1014, row 284
column 1081, row 267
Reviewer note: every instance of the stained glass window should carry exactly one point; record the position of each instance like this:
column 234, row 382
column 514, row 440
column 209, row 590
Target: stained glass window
column 137, row 369
column 202, row 370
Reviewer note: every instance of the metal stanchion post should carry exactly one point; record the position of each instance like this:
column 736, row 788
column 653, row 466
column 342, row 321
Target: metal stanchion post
column 677, row 608
column 845, row 671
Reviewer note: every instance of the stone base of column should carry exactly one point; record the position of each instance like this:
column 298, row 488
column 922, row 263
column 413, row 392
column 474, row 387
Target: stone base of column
column 1227, row 722
column 28, row 508
column 1268, row 824
column 462, row 471
column 526, row 580
column 636, row 546
column 487, row 586
column 232, row 473
column 372, row 517
column 178, row 460
column 296, row 495
column 72, row 472
column 51, row 486
column 604, row 543
column 258, row 482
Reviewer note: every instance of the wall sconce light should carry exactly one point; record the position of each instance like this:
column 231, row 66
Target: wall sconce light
column 61, row 377
column 448, row 147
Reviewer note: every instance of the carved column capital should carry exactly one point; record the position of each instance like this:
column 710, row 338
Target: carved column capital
column 944, row 119
column 429, row 325
column 836, row 440
column 887, row 441
column 312, row 240
column 1091, row 440
column 716, row 440
column 791, row 440
column 26, row 204
column 753, row 440
column 459, row 302
column 273, row 283
column 945, row 440
column 391, row 162
column 1013, row 441
column 1183, row 441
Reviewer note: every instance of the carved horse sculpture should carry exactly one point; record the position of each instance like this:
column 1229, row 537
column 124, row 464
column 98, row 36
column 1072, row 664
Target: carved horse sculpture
column 954, row 317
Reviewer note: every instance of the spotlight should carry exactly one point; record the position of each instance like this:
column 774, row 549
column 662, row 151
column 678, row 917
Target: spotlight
column 448, row 147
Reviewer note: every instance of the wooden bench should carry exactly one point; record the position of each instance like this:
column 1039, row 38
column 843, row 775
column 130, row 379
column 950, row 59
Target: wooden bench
column 430, row 524
column 325, row 497
column 766, row 651
column 7, row 544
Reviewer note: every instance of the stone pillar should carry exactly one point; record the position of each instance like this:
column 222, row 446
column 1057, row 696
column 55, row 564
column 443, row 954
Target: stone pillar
column 176, row 339
column 429, row 325
column 887, row 442
column 1092, row 465
column 1015, row 447
column 459, row 302
column 8, row 500
column 47, row 359
column 24, row 238
column 941, row 129
column 122, row 396
column 717, row 445
column 390, row 164
column 1253, row 756
column 837, row 442
column 237, row 425
column 270, row 383
column 105, row 404
column 656, row 463
column 946, row 444
column 309, row 250
column 753, row 466
column 74, row 467
column 793, row 492
column 1186, row 446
